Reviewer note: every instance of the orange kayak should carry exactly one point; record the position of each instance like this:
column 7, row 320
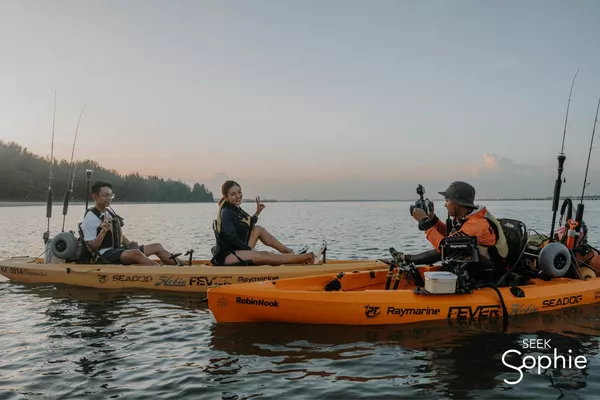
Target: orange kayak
column 363, row 300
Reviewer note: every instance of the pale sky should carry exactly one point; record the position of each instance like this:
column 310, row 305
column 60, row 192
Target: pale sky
column 309, row 99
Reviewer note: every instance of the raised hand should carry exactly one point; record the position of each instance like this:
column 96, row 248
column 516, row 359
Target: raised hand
column 106, row 225
column 418, row 214
column 259, row 206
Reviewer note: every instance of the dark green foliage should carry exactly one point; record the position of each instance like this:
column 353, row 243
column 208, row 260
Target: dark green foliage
column 24, row 177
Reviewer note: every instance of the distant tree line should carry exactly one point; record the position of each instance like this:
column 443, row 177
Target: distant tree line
column 24, row 177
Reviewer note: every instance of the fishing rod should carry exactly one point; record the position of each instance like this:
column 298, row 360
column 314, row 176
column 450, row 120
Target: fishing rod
column 561, row 161
column 70, row 178
column 46, row 236
column 88, row 176
column 579, row 212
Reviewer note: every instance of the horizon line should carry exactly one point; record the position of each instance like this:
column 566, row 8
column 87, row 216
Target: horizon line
column 78, row 202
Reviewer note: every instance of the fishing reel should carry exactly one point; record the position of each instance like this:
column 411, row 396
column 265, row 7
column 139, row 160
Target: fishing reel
column 422, row 203
column 397, row 258
column 399, row 269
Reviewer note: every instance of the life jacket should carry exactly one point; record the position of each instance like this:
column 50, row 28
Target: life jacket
column 500, row 247
column 113, row 238
column 244, row 216
column 221, row 245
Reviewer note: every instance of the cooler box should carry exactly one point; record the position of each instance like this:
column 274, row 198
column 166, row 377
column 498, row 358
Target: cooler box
column 440, row 282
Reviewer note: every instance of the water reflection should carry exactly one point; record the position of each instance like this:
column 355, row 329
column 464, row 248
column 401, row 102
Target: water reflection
column 454, row 360
column 97, row 329
column 91, row 336
column 97, row 300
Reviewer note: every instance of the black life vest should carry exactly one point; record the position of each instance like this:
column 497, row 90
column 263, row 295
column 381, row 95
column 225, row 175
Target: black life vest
column 244, row 224
column 112, row 238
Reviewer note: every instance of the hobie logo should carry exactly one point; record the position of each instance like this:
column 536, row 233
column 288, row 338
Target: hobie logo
column 254, row 302
column 542, row 362
column 169, row 281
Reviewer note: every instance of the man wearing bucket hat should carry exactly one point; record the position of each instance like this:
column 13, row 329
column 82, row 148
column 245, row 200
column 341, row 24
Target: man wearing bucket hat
column 468, row 219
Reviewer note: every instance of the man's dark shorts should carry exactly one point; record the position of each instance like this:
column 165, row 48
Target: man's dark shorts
column 113, row 256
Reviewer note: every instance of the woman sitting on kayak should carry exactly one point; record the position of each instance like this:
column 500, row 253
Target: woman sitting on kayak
column 238, row 234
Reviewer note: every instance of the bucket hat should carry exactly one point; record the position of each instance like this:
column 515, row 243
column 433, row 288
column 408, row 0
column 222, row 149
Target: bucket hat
column 461, row 193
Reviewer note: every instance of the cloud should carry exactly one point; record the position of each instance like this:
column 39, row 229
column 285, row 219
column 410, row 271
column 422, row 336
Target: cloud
column 491, row 161
column 497, row 165
column 494, row 176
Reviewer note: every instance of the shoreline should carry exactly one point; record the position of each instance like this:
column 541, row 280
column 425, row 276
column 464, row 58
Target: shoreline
column 59, row 202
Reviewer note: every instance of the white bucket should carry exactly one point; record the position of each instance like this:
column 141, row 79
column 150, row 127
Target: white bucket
column 440, row 282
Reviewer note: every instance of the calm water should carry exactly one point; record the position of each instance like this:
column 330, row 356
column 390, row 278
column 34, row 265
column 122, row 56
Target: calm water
column 68, row 342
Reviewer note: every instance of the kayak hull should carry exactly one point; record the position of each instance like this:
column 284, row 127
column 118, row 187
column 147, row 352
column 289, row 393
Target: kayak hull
column 196, row 278
column 363, row 300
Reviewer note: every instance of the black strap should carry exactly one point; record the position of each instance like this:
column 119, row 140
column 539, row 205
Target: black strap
column 95, row 211
column 100, row 216
column 426, row 223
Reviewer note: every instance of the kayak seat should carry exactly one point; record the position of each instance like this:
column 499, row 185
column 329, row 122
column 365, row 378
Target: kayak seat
column 218, row 255
column 516, row 238
column 513, row 268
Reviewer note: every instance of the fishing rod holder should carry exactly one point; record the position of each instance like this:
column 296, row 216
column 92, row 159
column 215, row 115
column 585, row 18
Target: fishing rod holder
column 399, row 269
column 556, row 196
column 462, row 280
column 88, row 176
column 175, row 259
column 396, row 256
column 399, row 262
column 190, row 253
